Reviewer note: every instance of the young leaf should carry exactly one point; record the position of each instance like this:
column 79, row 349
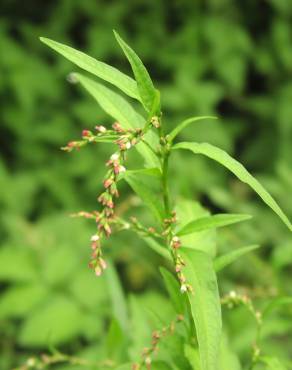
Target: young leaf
column 212, row 222
column 184, row 124
column 205, row 305
column 238, row 170
column 99, row 69
column 145, row 86
column 228, row 258
column 117, row 107
column 172, row 287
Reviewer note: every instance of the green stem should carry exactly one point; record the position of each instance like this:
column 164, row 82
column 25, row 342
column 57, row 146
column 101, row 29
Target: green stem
column 165, row 189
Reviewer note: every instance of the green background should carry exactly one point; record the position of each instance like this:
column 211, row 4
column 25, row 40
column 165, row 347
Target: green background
column 227, row 58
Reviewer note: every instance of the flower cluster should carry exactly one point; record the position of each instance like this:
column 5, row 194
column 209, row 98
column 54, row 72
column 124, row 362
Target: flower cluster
column 175, row 243
column 106, row 216
column 125, row 139
column 157, row 335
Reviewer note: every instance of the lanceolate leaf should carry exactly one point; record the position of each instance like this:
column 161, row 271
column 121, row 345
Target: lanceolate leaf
column 117, row 107
column 238, row 170
column 111, row 102
column 100, row 69
column 212, row 222
column 228, row 258
column 145, row 86
column 185, row 123
column 205, row 305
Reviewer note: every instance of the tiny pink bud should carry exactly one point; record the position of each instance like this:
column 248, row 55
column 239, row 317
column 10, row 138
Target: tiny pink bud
column 107, row 183
column 97, row 271
column 93, row 246
column 86, row 133
column 102, row 263
column 117, row 127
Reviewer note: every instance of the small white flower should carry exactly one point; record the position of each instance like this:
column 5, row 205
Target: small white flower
column 31, row 362
column 94, row 238
column 122, row 169
column 115, row 157
column 128, row 145
column 183, row 288
column 147, row 360
column 232, row 294
column 175, row 239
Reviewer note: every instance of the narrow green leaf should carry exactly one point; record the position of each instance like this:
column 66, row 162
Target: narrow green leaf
column 212, row 222
column 226, row 259
column 111, row 102
column 273, row 363
column 192, row 354
column 114, row 340
column 205, row 305
column 119, row 305
column 238, row 170
column 188, row 210
column 276, row 303
column 117, row 107
column 99, row 69
column 173, row 290
column 185, row 123
column 146, row 184
column 228, row 358
column 145, row 86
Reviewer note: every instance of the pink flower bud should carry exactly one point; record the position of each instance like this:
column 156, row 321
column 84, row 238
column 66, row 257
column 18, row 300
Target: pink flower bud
column 119, row 169
column 102, row 263
column 94, row 245
column 107, row 183
column 110, row 204
column 97, row 271
column 86, row 133
column 117, row 127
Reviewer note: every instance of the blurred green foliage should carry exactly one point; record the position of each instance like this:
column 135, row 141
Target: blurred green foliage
column 225, row 58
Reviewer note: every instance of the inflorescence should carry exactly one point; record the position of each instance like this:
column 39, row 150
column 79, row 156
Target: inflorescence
column 125, row 139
